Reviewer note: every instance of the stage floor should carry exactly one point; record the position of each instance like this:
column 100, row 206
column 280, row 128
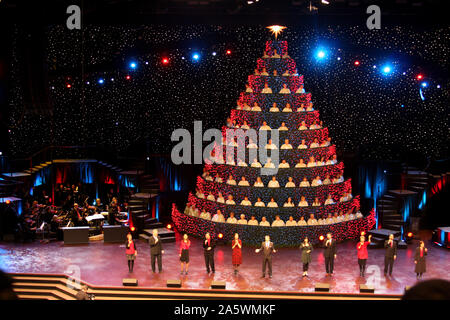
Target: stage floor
column 105, row 264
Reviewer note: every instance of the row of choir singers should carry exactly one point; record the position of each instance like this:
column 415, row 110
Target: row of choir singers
column 267, row 249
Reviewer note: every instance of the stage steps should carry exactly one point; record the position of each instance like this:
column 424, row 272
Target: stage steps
column 380, row 235
column 54, row 287
column 165, row 234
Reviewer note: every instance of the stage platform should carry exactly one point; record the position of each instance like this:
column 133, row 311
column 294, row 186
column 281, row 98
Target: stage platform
column 104, row 264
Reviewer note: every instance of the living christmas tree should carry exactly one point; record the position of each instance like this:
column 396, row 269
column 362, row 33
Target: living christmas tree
column 274, row 138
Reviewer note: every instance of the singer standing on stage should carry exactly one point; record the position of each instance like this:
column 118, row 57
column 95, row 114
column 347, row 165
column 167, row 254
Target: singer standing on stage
column 156, row 250
column 268, row 249
column 306, row 249
column 390, row 254
column 330, row 254
column 208, row 250
column 236, row 256
column 184, row 254
column 363, row 254
column 420, row 260
column 130, row 251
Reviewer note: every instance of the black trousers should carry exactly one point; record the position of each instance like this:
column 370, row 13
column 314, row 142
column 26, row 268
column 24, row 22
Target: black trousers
column 305, row 267
column 267, row 261
column 209, row 261
column 388, row 265
column 362, row 264
column 154, row 257
column 329, row 264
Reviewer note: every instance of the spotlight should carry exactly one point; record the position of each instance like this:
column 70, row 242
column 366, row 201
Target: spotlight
column 438, row 86
column 146, row 62
column 1, row 153
column 321, row 54
column 195, row 56
column 133, row 65
column 374, row 66
column 128, row 77
column 220, row 235
column 356, row 63
column 363, row 233
column 132, row 229
column 101, row 81
column 387, row 69
column 325, row 2
column 339, row 58
column 424, row 84
column 321, row 237
column 410, row 235
column 228, row 51
column 169, row 226
column 214, row 53
column 419, row 77
column 8, row 201
column 165, row 60
column 69, row 86
column 112, row 79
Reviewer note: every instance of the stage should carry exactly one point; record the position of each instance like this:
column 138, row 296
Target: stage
column 105, row 265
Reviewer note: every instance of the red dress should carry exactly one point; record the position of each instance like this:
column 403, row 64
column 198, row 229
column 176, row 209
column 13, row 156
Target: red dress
column 362, row 250
column 236, row 256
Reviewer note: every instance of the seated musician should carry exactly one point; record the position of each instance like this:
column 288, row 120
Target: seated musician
column 301, row 108
column 285, row 56
column 286, row 145
column 113, row 213
column 218, row 179
column 259, row 203
column 300, row 164
column 245, row 125
column 316, row 202
column 316, row 182
column 286, row 73
column 321, row 162
column 258, row 182
column 270, row 145
column 248, row 89
column 273, row 183
column 256, row 164
column 242, row 163
column 210, row 197
column 333, row 160
column 218, row 217
column 99, row 207
column 269, row 164
column 205, row 215
column 284, row 164
column 303, row 126
column 256, row 72
column 315, row 143
column 329, row 200
column 200, row 194
column 272, row 203
column 274, row 108
column 264, row 126
column 246, row 202
column 312, row 220
column 305, row 182
column 310, row 107
column 255, row 108
column 300, row 89
column 265, row 55
column 230, row 200
column 243, row 182
column 231, row 218
column 290, row 183
column 252, row 144
column 329, row 219
column 242, row 220
column 252, row 221
column 291, row 222
column 220, row 198
column 311, row 162
column 285, row 90
column 264, row 72
column 264, row 222
column 278, row 222
column 283, row 127
column 289, row 203
column 266, row 89
column 303, row 202
column 287, row 108
column 302, row 221
column 326, row 143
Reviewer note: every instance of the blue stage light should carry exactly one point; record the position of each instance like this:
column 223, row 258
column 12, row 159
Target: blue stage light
column 214, row 53
column 438, row 86
column 195, row 56
column 387, row 69
column 133, row 65
column 320, row 54
column 424, row 84
column 101, row 81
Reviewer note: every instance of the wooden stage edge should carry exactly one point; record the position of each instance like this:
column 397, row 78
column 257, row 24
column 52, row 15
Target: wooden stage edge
column 61, row 287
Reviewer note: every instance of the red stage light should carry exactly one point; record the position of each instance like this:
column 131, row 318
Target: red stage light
column 419, row 77
column 128, row 77
column 321, row 238
column 68, row 85
column 133, row 228
column 363, row 233
column 165, row 60
column 220, row 236
column 8, row 201
column 356, row 63
column 410, row 234
column 169, row 226
column 228, row 51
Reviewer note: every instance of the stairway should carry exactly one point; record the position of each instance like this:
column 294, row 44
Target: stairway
column 165, row 234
